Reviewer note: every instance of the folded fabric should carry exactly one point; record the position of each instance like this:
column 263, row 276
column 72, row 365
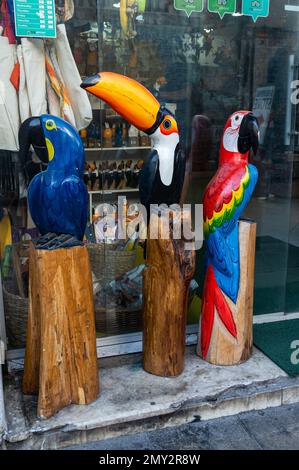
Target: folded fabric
column 71, row 77
column 9, row 108
column 58, row 85
column 35, row 72
column 24, row 106
column 53, row 99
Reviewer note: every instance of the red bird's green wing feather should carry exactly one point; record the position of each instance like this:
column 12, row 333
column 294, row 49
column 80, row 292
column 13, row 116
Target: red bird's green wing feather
column 224, row 195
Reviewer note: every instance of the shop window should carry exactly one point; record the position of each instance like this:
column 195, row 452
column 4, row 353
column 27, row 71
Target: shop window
column 202, row 65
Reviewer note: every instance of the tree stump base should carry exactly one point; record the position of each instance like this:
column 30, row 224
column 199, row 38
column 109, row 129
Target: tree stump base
column 61, row 357
column 166, row 284
column 224, row 349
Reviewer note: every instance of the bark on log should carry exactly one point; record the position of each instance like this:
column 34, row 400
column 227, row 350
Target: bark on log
column 61, row 358
column 166, row 284
column 224, row 349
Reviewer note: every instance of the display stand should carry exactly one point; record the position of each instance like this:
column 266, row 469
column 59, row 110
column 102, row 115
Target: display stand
column 61, row 358
column 225, row 349
column 166, row 282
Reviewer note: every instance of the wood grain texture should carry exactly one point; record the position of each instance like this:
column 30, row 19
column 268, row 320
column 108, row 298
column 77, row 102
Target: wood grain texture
column 166, row 283
column 61, row 359
column 224, row 349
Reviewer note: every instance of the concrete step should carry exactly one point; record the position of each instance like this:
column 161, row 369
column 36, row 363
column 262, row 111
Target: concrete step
column 133, row 401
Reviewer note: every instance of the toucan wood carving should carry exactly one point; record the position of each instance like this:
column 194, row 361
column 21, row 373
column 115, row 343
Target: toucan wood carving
column 162, row 176
column 225, row 199
column 58, row 196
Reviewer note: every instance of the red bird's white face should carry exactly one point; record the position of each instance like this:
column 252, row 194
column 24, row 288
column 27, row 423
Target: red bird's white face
column 231, row 131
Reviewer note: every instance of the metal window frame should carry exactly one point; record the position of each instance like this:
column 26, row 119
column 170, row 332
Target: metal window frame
column 112, row 346
column 3, row 345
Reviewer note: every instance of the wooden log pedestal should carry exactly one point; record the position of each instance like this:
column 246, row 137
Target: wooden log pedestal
column 166, row 283
column 225, row 349
column 61, row 357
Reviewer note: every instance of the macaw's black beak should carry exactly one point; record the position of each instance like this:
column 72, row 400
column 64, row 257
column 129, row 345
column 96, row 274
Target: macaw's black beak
column 31, row 133
column 249, row 134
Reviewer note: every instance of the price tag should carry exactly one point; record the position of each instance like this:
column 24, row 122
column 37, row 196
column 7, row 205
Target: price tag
column 35, row 18
column 189, row 6
column 222, row 7
column 256, row 8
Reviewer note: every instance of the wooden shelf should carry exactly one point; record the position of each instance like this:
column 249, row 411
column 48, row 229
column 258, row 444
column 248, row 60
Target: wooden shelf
column 115, row 149
column 106, row 192
column 113, row 191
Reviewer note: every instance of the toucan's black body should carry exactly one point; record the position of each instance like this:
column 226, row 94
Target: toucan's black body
column 151, row 188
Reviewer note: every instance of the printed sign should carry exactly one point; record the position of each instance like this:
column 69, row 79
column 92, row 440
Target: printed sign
column 222, row 7
column 189, row 6
column 35, row 18
column 256, row 8
column 262, row 108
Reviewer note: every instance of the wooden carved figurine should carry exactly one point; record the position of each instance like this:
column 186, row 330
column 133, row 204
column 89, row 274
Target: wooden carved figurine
column 161, row 180
column 61, row 359
column 58, row 196
column 162, row 176
column 225, row 199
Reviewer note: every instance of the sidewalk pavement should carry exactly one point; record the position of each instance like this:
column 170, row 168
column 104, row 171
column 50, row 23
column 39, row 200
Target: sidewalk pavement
column 271, row 429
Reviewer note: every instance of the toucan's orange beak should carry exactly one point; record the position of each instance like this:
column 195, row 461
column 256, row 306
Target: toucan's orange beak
column 127, row 97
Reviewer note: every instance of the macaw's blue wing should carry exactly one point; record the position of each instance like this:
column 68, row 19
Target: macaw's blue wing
column 58, row 205
column 223, row 243
column 75, row 199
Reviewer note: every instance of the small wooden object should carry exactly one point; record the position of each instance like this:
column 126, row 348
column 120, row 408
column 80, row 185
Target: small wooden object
column 166, row 284
column 61, row 358
column 16, row 261
column 224, row 349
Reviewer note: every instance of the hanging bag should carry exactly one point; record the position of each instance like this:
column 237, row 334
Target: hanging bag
column 24, row 105
column 9, row 108
column 35, row 72
column 71, row 77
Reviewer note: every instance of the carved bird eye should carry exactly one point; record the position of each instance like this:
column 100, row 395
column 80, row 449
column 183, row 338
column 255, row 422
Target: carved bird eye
column 236, row 121
column 167, row 124
column 50, row 125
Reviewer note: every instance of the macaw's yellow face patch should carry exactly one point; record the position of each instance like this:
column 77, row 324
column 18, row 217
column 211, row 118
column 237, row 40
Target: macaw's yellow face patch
column 50, row 149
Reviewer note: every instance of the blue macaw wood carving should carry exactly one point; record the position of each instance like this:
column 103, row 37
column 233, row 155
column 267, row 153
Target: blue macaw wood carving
column 57, row 197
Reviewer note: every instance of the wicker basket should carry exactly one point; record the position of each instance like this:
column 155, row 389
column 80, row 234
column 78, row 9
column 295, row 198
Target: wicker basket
column 107, row 263
column 16, row 314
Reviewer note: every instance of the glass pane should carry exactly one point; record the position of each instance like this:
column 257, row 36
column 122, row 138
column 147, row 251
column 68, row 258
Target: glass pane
column 203, row 68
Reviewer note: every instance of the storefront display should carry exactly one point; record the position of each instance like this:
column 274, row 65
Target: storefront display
column 201, row 61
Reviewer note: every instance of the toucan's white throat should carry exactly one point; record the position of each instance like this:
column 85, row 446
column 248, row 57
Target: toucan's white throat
column 165, row 146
